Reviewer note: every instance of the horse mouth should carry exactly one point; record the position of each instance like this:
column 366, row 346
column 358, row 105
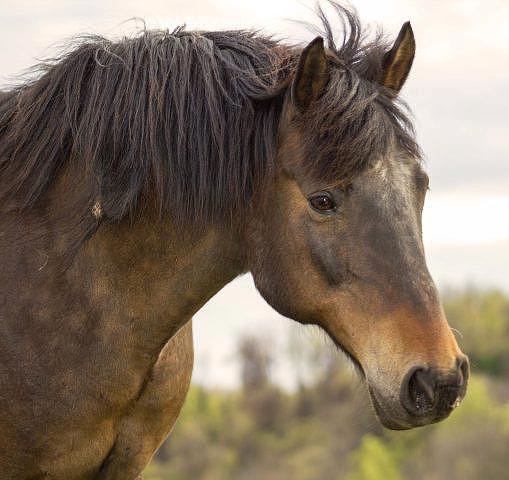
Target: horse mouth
column 394, row 417
column 388, row 419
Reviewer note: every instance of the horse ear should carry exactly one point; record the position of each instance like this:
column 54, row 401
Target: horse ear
column 397, row 62
column 312, row 74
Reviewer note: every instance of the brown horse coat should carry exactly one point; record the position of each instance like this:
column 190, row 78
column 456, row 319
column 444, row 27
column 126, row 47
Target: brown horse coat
column 139, row 177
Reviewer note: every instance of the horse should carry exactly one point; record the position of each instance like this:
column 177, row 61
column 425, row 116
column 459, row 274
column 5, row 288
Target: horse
column 140, row 176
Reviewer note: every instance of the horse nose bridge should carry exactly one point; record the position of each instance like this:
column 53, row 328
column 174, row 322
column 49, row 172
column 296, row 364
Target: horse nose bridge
column 410, row 276
column 398, row 264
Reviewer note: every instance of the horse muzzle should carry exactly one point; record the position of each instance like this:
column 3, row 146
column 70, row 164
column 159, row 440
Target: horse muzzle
column 427, row 395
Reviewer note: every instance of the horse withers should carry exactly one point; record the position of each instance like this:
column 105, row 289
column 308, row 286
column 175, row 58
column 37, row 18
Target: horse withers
column 139, row 177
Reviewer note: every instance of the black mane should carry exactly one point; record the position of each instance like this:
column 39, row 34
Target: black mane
column 188, row 119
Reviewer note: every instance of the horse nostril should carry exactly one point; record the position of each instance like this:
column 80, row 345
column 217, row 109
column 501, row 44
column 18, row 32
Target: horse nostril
column 429, row 391
column 418, row 394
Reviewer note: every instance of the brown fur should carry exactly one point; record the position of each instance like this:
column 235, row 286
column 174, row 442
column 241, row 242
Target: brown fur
column 98, row 331
column 119, row 220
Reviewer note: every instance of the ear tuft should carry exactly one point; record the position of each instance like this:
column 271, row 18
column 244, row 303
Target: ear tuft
column 312, row 74
column 398, row 60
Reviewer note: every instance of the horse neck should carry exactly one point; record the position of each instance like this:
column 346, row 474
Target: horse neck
column 126, row 291
column 149, row 279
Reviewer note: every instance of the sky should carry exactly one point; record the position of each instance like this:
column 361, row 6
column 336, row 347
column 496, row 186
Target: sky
column 458, row 91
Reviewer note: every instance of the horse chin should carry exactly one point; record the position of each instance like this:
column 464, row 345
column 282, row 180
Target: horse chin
column 390, row 417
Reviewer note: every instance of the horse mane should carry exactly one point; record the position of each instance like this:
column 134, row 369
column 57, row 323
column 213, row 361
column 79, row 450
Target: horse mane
column 189, row 119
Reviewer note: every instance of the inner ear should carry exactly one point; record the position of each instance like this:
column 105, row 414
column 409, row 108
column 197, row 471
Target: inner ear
column 312, row 74
column 397, row 62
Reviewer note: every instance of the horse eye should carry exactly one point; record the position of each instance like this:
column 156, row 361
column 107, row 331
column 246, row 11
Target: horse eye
column 322, row 203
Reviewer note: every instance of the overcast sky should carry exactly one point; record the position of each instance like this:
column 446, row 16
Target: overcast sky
column 458, row 91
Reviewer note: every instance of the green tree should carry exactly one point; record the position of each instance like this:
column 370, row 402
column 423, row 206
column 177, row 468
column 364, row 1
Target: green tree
column 482, row 320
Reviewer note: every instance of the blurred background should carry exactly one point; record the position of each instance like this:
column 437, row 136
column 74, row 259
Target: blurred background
column 272, row 400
